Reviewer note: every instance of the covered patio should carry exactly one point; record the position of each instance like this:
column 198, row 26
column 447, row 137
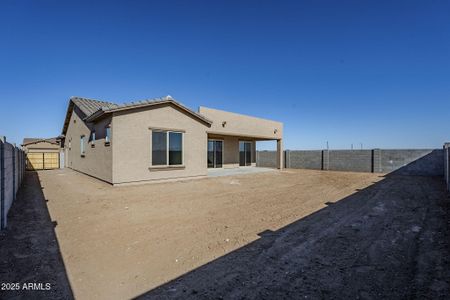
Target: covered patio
column 232, row 139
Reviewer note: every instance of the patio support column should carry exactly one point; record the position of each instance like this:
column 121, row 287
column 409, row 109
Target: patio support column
column 280, row 154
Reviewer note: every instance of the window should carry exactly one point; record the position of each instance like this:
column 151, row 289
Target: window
column 82, row 145
column 175, row 148
column 93, row 139
column 159, row 148
column 167, row 148
column 108, row 135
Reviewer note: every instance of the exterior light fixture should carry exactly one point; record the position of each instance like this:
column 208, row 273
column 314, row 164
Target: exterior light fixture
column 224, row 123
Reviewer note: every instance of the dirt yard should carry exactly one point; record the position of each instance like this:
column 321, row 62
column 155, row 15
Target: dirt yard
column 270, row 235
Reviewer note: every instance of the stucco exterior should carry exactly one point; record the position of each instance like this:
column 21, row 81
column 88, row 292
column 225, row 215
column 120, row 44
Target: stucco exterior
column 233, row 127
column 42, row 147
column 127, row 157
column 132, row 147
column 97, row 160
column 233, row 124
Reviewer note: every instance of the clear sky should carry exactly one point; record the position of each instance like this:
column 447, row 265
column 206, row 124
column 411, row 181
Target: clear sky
column 370, row 72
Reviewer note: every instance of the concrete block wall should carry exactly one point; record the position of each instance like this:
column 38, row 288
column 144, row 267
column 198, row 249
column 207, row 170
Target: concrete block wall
column 425, row 162
column 350, row 160
column 266, row 159
column 12, row 169
column 307, row 159
column 376, row 161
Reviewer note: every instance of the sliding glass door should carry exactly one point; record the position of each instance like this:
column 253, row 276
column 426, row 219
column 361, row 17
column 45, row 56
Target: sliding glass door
column 215, row 153
column 245, row 153
column 210, row 154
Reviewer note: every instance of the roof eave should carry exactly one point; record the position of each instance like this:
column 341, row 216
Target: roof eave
column 40, row 141
column 102, row 112
column 199, row 116
column 99, row 113
column 67, row 119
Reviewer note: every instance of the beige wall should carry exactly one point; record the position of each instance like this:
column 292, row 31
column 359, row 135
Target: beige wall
column 128, row 157
column 43, row 150
column 41, row 147
column 97, row 160
column 241, row 125
column 132, row 149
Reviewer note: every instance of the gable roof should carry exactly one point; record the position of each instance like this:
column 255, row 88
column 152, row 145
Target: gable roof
column 89, row 106
column 146, row 103
column 29, row 141
column 94, row 109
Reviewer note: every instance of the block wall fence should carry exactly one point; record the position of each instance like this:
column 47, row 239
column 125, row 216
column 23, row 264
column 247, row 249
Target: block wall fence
column 447, row 165
column 12, row 169
column 424, row 162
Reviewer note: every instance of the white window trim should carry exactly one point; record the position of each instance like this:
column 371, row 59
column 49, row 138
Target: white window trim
column 82, row 146
column 108, row 138
column 167, row 148
column 93, row 138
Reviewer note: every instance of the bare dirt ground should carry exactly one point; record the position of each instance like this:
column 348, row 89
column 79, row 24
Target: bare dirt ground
column 290, row 234
column 29, row 250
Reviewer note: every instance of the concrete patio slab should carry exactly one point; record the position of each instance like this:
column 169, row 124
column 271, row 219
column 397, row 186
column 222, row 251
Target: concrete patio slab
column 238, row 171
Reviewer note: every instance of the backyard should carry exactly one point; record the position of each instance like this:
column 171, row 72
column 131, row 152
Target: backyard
column 268, row 235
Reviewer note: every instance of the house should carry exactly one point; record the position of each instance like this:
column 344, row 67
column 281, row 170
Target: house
column 42, row 153
column 159, row 139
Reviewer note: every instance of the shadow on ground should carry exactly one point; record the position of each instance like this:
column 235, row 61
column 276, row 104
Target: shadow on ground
column 390, row 240
column 29, row 250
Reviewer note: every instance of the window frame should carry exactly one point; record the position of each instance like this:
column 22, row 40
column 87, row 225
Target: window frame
column 108, row 137
column 93, row 138
column 167, row 145
column 167, row 164
column 82, row 146
column 223, row 152
column 243, row 142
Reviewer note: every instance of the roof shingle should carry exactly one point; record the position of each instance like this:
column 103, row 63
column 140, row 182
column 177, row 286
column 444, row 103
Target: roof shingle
column 94, row 109
column 89, row 106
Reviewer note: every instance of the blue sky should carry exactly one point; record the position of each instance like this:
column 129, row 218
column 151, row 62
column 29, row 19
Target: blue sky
column 346, row 72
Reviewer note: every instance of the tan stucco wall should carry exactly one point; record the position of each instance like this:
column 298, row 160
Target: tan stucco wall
column 43, row 150
column 41, row 147
column 97, row 161
column 131, row 142
column 242, row 125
